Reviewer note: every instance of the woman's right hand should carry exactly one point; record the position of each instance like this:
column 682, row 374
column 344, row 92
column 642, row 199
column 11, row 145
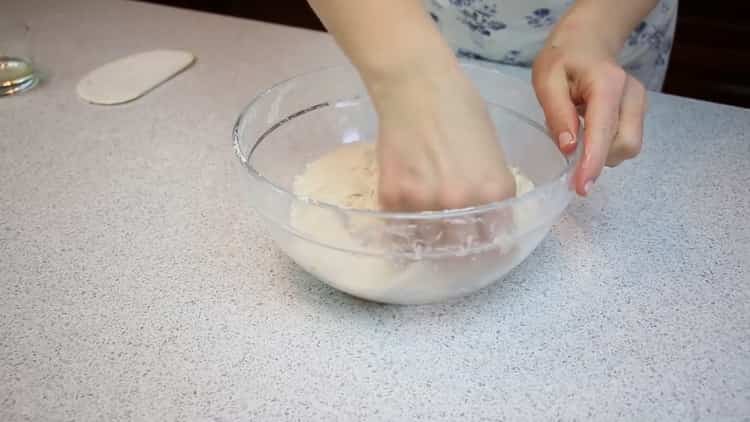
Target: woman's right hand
column 437, row 147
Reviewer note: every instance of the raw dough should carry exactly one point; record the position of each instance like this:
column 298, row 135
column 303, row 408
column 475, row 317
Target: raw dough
column 131, row 77
column 347, row 177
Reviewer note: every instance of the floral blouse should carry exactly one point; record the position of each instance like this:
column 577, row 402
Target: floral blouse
column 513, row 31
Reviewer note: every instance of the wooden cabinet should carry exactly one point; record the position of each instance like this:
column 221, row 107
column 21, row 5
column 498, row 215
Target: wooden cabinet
column 286, row 12
column 711, row 54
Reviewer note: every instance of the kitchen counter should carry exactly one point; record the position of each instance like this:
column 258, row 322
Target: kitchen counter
column 137, row 284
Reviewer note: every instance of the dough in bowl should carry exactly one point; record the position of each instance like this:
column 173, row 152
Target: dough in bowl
column 348, row 177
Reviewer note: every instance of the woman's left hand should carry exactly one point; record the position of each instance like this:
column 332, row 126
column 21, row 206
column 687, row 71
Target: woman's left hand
column 575, row 72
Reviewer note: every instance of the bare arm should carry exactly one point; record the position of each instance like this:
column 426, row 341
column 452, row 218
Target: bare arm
column 437, row 147
column 384, row 38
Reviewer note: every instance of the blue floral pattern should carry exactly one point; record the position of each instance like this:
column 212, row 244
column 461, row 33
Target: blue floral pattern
column 657, row 38
column 479, row 16
column 513, row 57
column 637, row 34
column 661, row 43
column 512, row 32
column 541, row 18
column 468, row 54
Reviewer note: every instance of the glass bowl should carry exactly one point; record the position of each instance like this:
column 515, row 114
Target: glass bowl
column 388, row 257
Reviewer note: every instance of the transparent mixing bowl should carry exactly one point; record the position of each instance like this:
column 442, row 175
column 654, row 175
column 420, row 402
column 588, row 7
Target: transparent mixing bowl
column 402, row 258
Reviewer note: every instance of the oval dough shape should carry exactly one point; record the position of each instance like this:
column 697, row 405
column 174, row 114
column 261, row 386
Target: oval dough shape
column 133, row 76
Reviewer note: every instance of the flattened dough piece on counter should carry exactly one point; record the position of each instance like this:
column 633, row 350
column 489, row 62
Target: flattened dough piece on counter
column 131, row 77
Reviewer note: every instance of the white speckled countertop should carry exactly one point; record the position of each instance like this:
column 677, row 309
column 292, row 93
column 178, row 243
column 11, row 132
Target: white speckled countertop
column 136, row 284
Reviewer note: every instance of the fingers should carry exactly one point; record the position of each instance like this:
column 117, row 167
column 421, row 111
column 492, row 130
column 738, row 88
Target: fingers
column 602, row 121
column 629, row 139
column 458, row 235
column 400, row 193
column 407, row 195
column 553, row 92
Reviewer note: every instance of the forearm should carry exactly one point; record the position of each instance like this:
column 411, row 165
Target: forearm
column 384, row 38
column 611, row 21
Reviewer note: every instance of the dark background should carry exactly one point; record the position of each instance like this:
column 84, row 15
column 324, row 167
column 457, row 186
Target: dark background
column 710, row 59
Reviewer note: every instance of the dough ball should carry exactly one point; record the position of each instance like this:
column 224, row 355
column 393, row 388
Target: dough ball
column 348, row 177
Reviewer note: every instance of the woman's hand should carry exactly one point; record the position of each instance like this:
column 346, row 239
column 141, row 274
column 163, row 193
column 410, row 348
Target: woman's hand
column 437, row 147
column 577, row 70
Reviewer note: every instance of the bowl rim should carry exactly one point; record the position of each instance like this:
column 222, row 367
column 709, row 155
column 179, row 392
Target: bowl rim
column 539, row 190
